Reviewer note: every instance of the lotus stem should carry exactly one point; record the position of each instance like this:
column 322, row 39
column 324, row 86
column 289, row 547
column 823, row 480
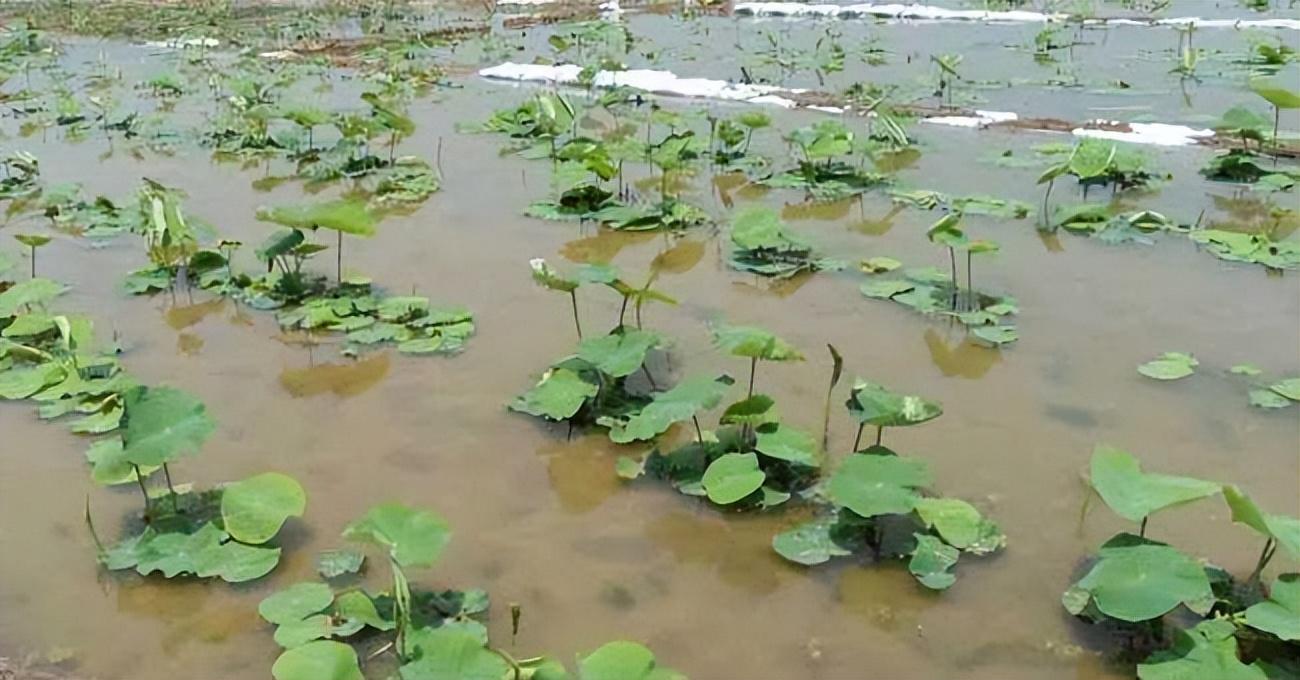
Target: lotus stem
column 857, row 439
column 1277, row 115
column 646, row 369
column 952, row 260
column 167, row 474
column 1270, row 547
column 622, row 311
column 139, row 479
column 699, row 433
column 880, row 433
column 573, row 297
column 970, row 287
column 1047, row 221
column 33, row 262
column 339, row 260
column 1142, row 530
column 753, row 368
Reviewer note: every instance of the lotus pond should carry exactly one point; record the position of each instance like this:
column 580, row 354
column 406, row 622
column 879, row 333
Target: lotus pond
column 377, row 339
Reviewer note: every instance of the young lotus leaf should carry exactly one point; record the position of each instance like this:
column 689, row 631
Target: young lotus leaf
column 1207, row 651
column 161, row 424
column 732, row 477
column 346, row 215
column 675, row 405
column 414, row 538
column 1280, row 613
column 752, row 342
column 945, row 232
column 623, row 660
column 1136, row 579
column 558, row 396
column 296, row 603
column 874, row 404
column 1169, row 366
column 447, row 653
column 814, row 542
column 320, row 660
column 551, row 279
column 783, row 442
column 1285, row 530
column 931, row 561
column 879, row 484
column 1132, row 494
column 959, row 523
column 619, row 354
column 28, row 293
column 254, row 509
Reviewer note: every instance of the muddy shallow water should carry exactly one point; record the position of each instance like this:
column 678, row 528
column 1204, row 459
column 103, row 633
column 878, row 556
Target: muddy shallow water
column 543, row 521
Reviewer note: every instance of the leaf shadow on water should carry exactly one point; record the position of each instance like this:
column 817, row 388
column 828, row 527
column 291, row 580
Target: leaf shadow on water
column 781, row 288
column 822, row 211
column 1252, row 214
column 737, row 547
column 679, row 258
column 347, row 379
column 878, row 226
column 581, row 471
column 603, row 245
column 885, row 595
column 1073, row 416
column 962, row 359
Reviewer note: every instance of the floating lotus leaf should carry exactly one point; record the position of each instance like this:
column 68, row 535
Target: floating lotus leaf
column 958, row 523
column 732, row 477
column 1267, row 399
column 161, row 424
column 1169, row 366
column 1207, row 651
column 996, row 335
column 783, row 442
column 1289, row 388
column 623, row 660
column 21, row 383
column 346, row 215
column 206, row 553
column 1132, row 494
column 558, row 396
column 884, row 289
column 874, row 404
column 619, row 354
column 1280, row 613
column 336, row 563
column 879, row 484
column 880, row 264
column 1285, row 530
column 1136, row 579
column 447, row 653
column 931, row 561
column 321, row 660
column 253, row 510
column 296, row 603
column 814, row 542
column 27, row 293
column 414, row 538
column 672, row 406
column 752, row 342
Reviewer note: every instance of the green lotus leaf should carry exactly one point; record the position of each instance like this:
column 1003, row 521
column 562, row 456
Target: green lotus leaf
column 811, row 543
column 356, row 606
column 32, row 240
column 446, row 653
column 28, row 293
column 783, row 442
column 623, row 660
column 755, row 411
column 878, row 484
column 732, row 477
column 672, row 406
column 1132, row 494
column 879, row 265
column 254, row 509
column 752, row 342
column 551, row 279
column 931, row 561
column 414, row 538
column 1289, row 388
column 1091, row 158
column 1285, row 530
column 1267, row 399
column 1207, row 651
column 619, row 354
column 558, row 396
column 234, row 562
column 21, row 383
column 958, row 522
column 874, row 404
column 321, row 660
column 109, row 465
column 161, row 424
column 1275, row 94
column 346, row 215
column 945, row 231
column 884, row 289
column 336, row 563
column 1280, row 613
column 26, row 325
column 1169, row 366
column 1136, row 579
column 996, row 335
column 299, row 632
column 296, row 603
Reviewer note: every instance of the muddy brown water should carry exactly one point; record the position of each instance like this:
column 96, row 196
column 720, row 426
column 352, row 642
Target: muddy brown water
column 543, row 521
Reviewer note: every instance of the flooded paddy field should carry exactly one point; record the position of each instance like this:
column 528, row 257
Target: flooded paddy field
column 536, row 307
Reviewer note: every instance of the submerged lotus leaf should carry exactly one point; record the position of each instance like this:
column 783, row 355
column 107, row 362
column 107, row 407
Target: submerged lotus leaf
column 1136, row 579
column 958, row 522
column 879, row 484
column 874, row 404
column 753, row 342
column 448, row 653
column 619, row 354
column 1132, row 494
column 1280, row 613
column 414, row 538
column 336, row 563
column 1169, row 366
column 732, row 477
column 161, row 424
column 1267, row 399
column 346, row 215
column 320, row 660
column 1207, row 651
column 1289, row 388
column 783, row 442
column 675, row 405
column 27, row 293
column 296, row 603
column 811, row 543
column 558, row 396
column 931, row 561
column 623, row 660
column 1285, row 530
column 254, row 509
